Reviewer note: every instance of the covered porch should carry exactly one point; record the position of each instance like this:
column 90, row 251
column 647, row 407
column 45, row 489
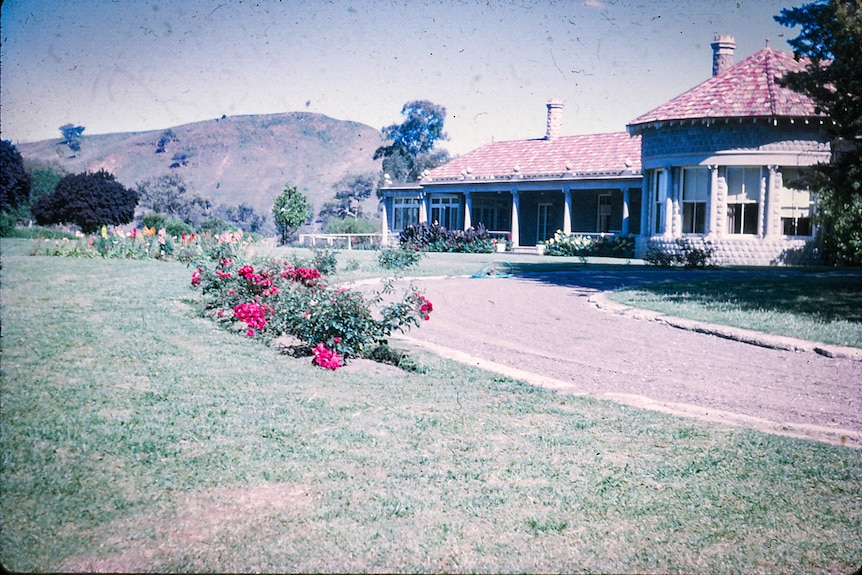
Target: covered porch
column 526, row 215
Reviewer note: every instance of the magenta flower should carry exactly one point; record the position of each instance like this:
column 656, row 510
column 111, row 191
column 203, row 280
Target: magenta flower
column 327, row 358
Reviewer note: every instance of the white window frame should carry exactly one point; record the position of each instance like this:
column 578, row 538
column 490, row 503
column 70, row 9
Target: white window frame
column 543, row 221
column 695, row 198
column 405, row 212
column 446, row 211
column 794, row 203
column 747, row 197
column 659, row 184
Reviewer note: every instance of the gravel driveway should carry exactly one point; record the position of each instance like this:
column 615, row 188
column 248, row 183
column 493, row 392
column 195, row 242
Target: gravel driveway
column 544, row 329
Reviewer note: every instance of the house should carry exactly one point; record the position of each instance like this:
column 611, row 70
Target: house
column 719, row 161
column 716, row 164
column 587, row 184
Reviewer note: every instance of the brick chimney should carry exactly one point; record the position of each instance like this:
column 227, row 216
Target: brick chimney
column 555, row 119
column 722, row 53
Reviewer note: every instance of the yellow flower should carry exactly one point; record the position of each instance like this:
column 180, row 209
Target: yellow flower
column 104, row 232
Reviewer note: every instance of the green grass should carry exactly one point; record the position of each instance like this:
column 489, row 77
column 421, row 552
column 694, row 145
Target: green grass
column 138, row 436
column 822, row 307
column 39, row 233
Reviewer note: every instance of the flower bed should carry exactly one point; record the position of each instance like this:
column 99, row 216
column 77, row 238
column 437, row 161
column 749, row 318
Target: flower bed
column 276, row 299
column 147, row 243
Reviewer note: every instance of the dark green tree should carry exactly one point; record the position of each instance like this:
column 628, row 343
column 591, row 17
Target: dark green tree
column 411, row 150
column 350, row 193
column 831, row 38
column 243, row 216
column 46, row 176
column 289, row 212
column 16, row 183
column 168, row 195
column 72, row 136
column 88, row 200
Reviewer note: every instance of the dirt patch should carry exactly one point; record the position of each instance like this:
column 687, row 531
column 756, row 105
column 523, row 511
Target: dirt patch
column 188, row 522
column 544, row 330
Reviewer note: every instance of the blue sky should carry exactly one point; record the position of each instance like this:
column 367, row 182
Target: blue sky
column 134, row 65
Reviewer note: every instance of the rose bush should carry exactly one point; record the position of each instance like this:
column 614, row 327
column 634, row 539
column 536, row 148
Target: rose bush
column 276, row 299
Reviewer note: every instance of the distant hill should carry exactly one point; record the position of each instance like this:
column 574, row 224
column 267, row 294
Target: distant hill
column 233, row 159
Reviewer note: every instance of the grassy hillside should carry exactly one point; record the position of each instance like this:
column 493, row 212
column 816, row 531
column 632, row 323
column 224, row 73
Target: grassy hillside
column 232, row 159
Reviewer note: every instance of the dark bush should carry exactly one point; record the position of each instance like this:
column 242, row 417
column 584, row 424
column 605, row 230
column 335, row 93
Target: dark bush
column 436, row 238
column 88, row 200
column 15, row 181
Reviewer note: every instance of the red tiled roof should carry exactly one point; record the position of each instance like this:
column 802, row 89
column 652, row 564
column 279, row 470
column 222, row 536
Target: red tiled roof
column 588, row 155
column 747, row 89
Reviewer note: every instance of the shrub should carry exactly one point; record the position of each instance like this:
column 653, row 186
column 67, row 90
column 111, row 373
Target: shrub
column 153, row 220
column 657, row 256
column 278, row 299
column 351, row 226
column 89, row 200
column 177, row 228
column 436, row 238
column 400, row 258
column 216, row 227
column 325, row 261
column 688, row 253
column 583, row 245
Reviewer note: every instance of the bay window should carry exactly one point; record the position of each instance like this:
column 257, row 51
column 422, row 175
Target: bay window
column 743, row 200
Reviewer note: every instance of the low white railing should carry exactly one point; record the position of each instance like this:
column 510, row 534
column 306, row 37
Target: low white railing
column 342, row 241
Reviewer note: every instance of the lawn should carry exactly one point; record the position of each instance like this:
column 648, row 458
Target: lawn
column 824, row 307
column 139, row 436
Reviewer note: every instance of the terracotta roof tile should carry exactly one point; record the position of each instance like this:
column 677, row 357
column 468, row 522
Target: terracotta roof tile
column 586, row 155
column 747, row 89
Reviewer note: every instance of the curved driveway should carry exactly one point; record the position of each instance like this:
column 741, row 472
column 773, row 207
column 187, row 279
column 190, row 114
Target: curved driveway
column 544, row 329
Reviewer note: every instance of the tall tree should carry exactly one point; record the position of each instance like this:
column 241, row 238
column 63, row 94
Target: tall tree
column 243, row 216
column 89, row 200
column 46, row 176
column 15, row 181
column 411, row 150
column 350, row 193
column 168, row 195
column 831, row 38
column 72, row 136
column 289, row 212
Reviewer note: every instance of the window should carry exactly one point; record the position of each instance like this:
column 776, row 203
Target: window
column 494, row 214
column 797, row 206
column 743, row 200
column 405, row 212
column 659, row 188
column 695, row 191
column 446, row 211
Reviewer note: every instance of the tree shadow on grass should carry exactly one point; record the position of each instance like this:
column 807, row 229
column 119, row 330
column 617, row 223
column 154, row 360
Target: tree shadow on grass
column 823, row 297
column 827, row 295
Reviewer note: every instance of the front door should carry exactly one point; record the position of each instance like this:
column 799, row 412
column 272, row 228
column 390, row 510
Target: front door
column 604, row 215
column 543, row 229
